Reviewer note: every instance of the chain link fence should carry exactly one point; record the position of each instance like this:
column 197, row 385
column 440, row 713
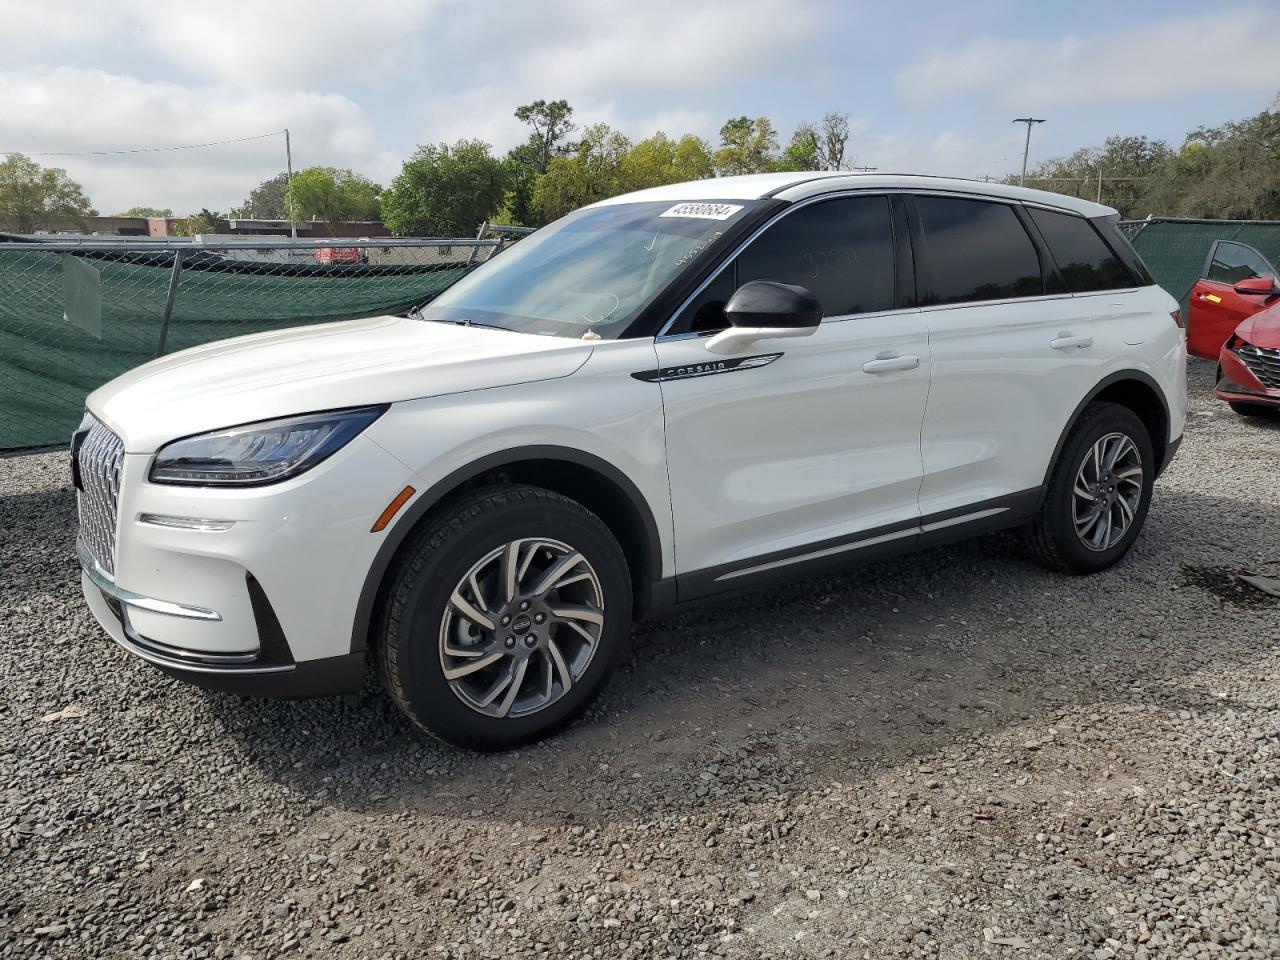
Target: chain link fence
column 76, row 313
column 1175, row 250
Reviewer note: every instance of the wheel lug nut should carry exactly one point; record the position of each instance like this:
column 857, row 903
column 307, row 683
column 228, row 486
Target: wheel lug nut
column 505, row 621
column 531, row 641
column 524, row 604
column 510, row 642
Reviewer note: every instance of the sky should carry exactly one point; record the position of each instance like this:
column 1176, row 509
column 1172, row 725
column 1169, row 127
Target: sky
column 929, row 87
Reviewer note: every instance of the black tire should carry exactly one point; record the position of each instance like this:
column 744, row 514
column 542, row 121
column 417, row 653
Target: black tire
column 1052, row 535
column 437, row 557
column 1250, row 409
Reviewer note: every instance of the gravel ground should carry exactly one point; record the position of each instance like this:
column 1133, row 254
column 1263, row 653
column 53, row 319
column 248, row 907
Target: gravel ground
column 951, row 755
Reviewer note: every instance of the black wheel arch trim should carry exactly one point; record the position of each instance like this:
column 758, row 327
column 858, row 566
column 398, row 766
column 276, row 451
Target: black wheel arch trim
column 1169, row 446
column 395, row 535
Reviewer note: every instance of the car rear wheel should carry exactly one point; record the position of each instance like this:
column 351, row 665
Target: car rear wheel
column 503, row 617
column 1098, row 492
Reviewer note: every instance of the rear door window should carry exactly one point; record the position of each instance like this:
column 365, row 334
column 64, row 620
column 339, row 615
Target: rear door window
column 974, row 250
column 1084, row 260
column 1232, row 262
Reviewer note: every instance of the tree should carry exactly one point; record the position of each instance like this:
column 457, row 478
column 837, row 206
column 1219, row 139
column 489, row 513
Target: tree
column 446, row 191
column 206, row 221
column 802, row 152
column 746, row 146
column 156, row 212
column 332, row 196
column 33, row 196
column 1130, row 167
column 818, row 146
column 266, row 200
column 832, row 137
column 1230, row 171
column 552, row 123
column 661, row 160
column 592, row 173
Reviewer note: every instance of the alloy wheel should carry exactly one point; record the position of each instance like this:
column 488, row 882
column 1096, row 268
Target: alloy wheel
column 521, row 627
column 1107, row 491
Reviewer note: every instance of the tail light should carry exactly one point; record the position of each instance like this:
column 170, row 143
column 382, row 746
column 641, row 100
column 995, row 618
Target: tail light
column 1177, row 318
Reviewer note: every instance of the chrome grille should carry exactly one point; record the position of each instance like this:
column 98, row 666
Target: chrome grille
column 1262, row 363
column 101, row 457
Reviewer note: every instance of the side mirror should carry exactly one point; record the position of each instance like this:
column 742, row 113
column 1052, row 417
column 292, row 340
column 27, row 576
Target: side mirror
column 766, row 310
column 1257, row 287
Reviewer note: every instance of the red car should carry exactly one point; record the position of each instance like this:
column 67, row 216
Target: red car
column 339, row 255
column 1234, row 318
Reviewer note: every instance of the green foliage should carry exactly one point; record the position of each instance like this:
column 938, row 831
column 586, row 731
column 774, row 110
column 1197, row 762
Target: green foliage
column 1129, row 167
column 332, row 196
column 32, row 196
column 1229, row 172
column 593, row 172
column 266, row 201
column 747, row 146
column 661, row 160
column 551, row 122
column 206, row 221
column 153, row 212
column 446, row 191
column 802, row 152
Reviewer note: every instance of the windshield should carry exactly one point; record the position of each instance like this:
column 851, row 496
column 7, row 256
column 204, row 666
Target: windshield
column 588, row 275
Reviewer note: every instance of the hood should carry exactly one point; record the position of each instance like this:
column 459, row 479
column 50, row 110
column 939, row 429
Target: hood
column 286, row 372
column 1262, row 329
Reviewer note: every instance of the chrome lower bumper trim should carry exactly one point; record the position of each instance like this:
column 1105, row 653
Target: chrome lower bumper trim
column 107, row 584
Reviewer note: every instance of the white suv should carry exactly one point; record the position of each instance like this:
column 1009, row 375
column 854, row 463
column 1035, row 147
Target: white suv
column 665, row 396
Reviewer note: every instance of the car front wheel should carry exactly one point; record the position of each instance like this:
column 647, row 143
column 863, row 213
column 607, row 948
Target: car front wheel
column 503, row 617
column 1098, row 492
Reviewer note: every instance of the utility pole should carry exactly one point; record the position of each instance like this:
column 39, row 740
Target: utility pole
column 1027, row 147
column 288, row 158
column 1099, row 183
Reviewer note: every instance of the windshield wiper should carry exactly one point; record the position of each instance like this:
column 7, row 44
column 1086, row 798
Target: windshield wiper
column 480, row 323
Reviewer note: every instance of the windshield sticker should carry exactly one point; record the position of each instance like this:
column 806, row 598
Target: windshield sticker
column 703, row 211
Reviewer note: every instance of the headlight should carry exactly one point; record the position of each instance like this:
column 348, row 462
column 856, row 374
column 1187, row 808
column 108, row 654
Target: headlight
column 258, row 453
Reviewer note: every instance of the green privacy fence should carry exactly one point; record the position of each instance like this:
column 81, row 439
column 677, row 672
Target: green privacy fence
column 1175, row 250
column 73, row 315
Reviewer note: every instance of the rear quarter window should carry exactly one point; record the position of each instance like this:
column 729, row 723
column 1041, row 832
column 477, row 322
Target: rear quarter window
column 1084, row 259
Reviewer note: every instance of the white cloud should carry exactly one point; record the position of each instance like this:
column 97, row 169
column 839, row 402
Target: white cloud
column 255, row 43
column 70, row 109
column 668, row 44
column 948, row 154
column 1121, row 65
column 249, row 43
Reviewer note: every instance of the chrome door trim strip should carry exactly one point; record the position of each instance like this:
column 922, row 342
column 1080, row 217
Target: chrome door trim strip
column 818, row 554
column 965, row 518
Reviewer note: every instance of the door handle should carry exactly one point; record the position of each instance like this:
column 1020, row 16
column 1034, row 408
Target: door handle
column 1065, row 341
column 890, row 364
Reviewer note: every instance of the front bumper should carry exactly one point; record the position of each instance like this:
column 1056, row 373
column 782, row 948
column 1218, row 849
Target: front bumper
column 269, row 670
column 250, row 590
column 1240, row 384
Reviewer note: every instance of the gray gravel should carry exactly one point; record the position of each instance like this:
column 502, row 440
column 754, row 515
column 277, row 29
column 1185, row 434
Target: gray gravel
column 950, row 755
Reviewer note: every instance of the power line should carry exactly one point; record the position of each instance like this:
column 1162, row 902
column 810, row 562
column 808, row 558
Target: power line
column 108, row 153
